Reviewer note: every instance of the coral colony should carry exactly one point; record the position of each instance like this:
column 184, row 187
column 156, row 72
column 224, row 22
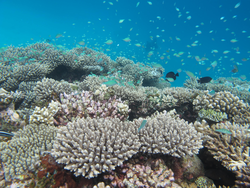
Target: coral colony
column 76, row 118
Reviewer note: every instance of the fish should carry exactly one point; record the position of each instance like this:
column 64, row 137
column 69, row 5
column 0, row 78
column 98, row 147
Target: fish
column 171, row 76
column 237, row 5
column 226, row 131
column 204, row 80
column 6, row 134
column 143, row 123
column 235, row 70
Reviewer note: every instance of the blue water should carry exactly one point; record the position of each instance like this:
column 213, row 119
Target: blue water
column 96, row 21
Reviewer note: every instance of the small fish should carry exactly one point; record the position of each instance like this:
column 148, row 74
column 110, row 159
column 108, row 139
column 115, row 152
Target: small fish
column 204, row 80
column 226, row 131
column 212, row 92
column 109, row 42
column 6, row 134
column 171, row 76
column 235, row 70
column 143, row 123
column 190, row 74
column 237, row 5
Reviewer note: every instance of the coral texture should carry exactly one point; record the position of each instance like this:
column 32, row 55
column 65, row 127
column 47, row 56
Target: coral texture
column 49, row 89
column 233, row 85
column 142, row 172
column 45, row 115
column 23, row 151
column 89, row 104
column 168, row 134
column 231, row 149
column 212, row 115
column 92, row 146
column 236, row 109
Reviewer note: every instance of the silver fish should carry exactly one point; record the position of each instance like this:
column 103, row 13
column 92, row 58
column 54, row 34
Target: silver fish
column 6, row 134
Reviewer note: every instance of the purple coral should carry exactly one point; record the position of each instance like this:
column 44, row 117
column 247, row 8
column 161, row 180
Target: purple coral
column 89, row 104
column 147, row 173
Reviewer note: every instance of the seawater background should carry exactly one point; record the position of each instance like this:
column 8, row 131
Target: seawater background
column 96, row 21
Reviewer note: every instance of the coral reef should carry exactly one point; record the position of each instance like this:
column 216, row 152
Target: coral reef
column 233, row 85
column 142, row 172
column 231, row 149
column 89, row 104
column 39, row 60
column 45, row 115
column 236, row 109
column 168, row 134
column 49, row 89
column 23, row 151
column 212, row 115
column 92, row 146
column 203, row 181
column 101, row 185
column 52, row 174
column 9, row 118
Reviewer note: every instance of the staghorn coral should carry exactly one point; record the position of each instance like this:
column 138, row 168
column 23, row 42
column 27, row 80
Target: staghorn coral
column 23, row 151
column 168, row 134
column 212, row 115
column 236, row 109
column 92, row 146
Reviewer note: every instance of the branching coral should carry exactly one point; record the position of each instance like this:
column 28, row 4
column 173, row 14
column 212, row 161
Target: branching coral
column 92, row 146
column 23, row 151
column 89, row 104
column 236, row 109
column 231, row 149
column 168, row 134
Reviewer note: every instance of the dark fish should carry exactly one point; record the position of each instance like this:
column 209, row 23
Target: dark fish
column 235, row 69
column 204, row 80
column 171, row 75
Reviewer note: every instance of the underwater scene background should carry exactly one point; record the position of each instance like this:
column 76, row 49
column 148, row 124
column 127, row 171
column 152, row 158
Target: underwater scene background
column 124, row 93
